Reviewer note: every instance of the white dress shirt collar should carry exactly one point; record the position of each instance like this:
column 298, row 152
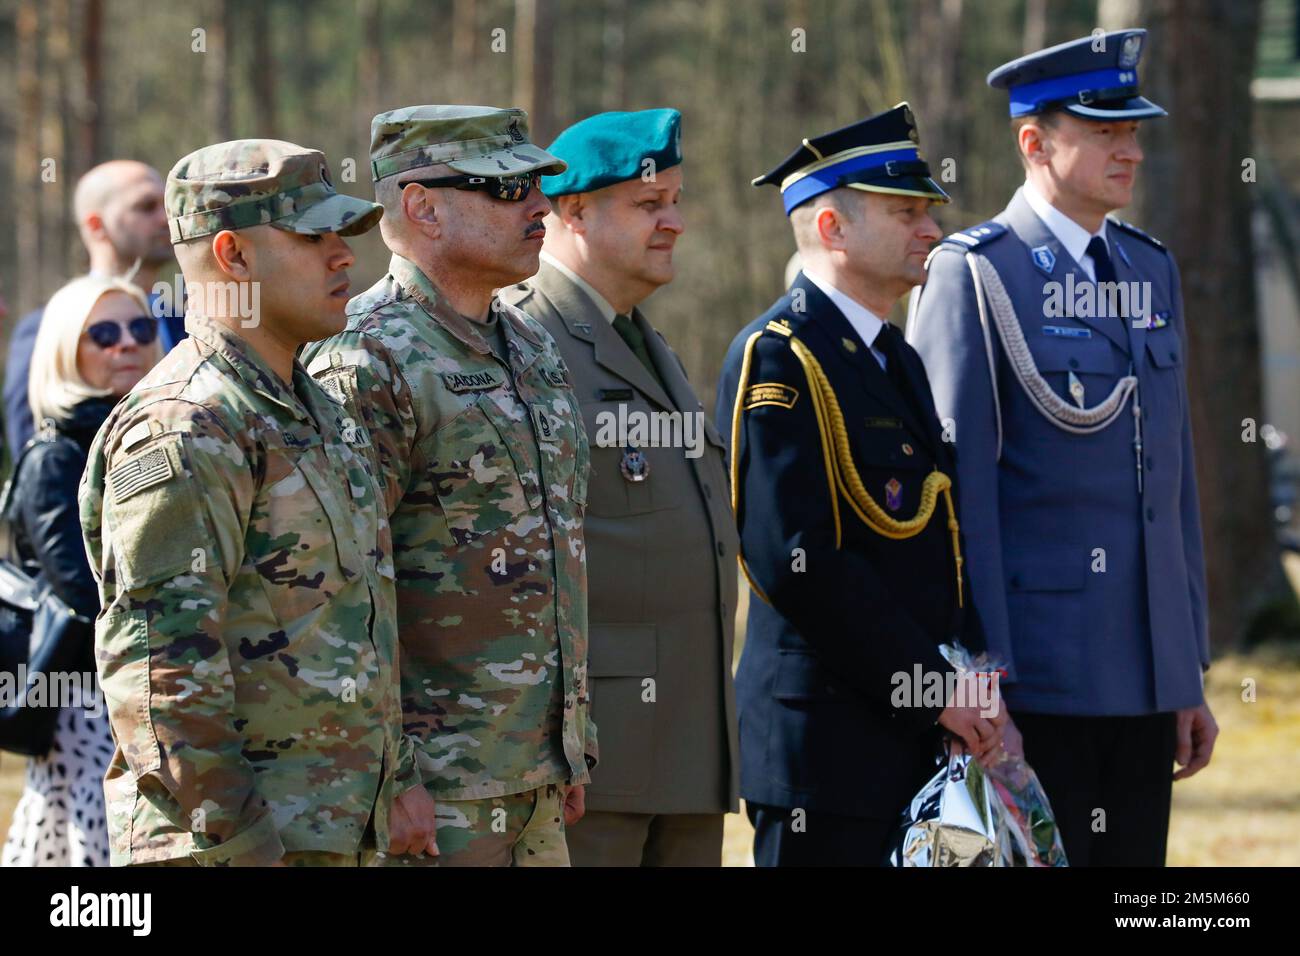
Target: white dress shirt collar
column 1073, row 237
column 865, row 322
column 601, row 303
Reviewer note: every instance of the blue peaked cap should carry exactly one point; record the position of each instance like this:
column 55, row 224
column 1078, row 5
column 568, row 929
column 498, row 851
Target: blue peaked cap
column 1094, row 78
column 878, row 154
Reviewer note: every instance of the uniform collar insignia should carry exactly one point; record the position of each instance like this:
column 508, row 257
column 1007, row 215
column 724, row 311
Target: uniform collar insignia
column 1044, row 258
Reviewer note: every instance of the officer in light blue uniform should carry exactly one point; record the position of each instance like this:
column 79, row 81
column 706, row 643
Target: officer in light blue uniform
column 1054, row 341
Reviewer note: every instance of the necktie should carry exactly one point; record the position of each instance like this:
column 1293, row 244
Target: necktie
column 1101, row 263
column 887, row 343
column 635, row 340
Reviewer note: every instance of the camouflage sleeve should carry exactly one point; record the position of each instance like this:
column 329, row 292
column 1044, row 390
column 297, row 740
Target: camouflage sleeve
column 359, row 371
column 176, row 499
column 407, row 776
column 590, row 746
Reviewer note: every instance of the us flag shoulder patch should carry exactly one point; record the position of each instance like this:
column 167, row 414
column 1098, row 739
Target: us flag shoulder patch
column 136, row 474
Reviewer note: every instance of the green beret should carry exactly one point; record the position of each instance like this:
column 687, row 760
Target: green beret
column 475, row 140
column 609, row 148
column 253, row 182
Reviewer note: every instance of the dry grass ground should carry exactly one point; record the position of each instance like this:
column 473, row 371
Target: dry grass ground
column 1242, row 810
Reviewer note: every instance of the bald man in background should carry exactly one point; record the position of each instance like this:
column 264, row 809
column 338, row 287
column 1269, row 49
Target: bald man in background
column 118, row 206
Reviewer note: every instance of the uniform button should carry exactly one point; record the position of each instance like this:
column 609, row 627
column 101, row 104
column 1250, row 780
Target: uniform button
column 1151, row 514
column 1074, row 363
column 722, row 550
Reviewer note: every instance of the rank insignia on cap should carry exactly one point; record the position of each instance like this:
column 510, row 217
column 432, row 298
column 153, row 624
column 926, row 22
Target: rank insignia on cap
column 633, row 465
column 1044, row 258
column 1076, row 390
column 1130, row 51
column 893, row 494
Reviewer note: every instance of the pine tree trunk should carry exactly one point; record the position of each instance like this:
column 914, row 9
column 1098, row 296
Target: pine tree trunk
column 27, row 155
column 1194, row 199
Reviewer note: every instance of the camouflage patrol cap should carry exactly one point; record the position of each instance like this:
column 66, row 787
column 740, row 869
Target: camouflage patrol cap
column 475, row 140
column 251, row 182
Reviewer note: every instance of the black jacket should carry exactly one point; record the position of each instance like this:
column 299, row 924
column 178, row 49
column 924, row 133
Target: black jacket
column 46, row 523
column 849, row 608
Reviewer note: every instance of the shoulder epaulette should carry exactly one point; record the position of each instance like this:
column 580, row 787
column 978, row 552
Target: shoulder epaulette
column 976, row 235
column 1134, row 230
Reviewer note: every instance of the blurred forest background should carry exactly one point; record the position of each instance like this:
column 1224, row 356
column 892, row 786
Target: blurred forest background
column 89, row 80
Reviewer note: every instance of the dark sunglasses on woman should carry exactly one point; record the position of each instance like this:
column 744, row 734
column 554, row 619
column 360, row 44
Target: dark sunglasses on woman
column 508, row 188
column 106, row 334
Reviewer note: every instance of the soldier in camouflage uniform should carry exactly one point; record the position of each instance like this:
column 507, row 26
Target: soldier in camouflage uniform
column 247, row 645
column 480, row 441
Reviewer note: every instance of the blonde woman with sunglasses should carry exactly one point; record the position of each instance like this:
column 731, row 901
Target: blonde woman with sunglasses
column 96, row 341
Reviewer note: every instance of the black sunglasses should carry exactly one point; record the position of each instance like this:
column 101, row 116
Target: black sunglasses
column 508, row 188
column 106, row 334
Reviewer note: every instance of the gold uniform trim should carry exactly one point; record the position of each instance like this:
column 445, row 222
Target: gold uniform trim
column 841, row 156
column 841, row 473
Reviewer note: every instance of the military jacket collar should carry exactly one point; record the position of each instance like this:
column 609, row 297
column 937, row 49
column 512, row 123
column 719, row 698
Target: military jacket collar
column 607, row 311
column 253, row 369
column 820, row 318
column 583, row 318
column 1072, row 236
column 1058, row 263
column 523, row 343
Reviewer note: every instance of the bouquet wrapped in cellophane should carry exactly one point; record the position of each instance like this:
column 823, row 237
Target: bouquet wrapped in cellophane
column 972, row 815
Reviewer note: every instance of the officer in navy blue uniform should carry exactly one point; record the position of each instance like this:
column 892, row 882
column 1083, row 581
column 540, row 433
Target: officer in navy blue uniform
column 842, row 489
column 1053, row 336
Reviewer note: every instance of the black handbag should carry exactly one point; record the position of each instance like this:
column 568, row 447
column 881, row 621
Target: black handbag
column 41, row 638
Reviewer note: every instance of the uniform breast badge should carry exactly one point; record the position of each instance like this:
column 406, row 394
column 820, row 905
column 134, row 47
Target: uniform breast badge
column 893, row 494
column 633, row 465
column 1076, row 390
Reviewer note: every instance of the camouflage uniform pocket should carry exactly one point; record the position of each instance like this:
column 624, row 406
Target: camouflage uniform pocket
column 341, row 385
column 122, row 649
column 582, row 463
column 291, row 543
column 475, row 476
column 561, row 441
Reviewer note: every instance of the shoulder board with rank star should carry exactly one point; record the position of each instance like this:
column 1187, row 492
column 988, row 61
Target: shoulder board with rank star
column 1134, row 230
column 976, row 236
